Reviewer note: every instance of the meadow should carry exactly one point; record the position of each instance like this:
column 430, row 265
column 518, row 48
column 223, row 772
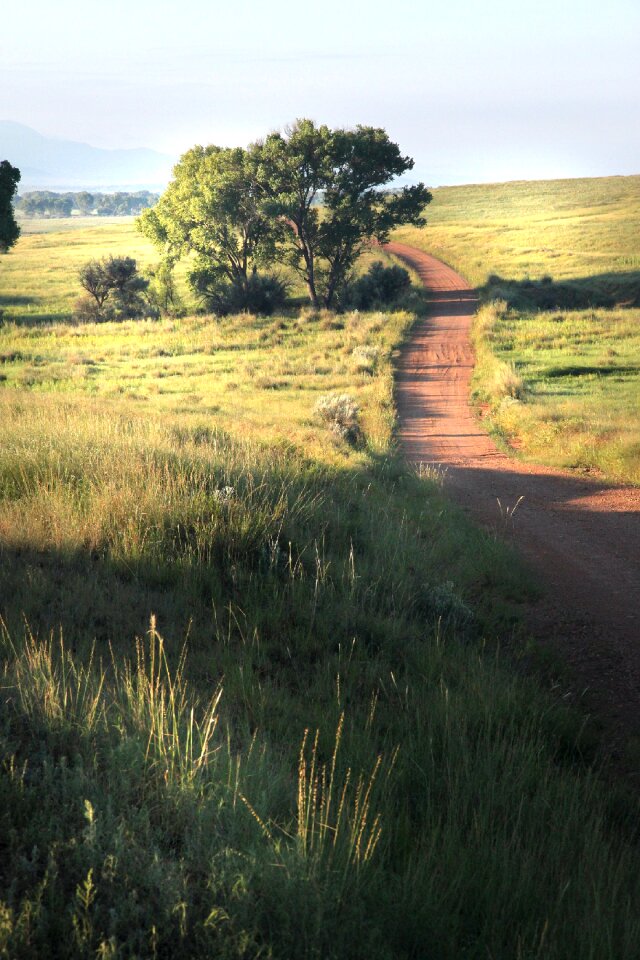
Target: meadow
column 558, row 376
column 39, row 281
column 260, row 680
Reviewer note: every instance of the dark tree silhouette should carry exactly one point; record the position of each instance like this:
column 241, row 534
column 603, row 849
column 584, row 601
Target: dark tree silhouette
column 9, row 229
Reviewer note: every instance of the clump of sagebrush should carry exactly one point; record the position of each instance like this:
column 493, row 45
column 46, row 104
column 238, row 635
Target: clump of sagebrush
column 341, row 413
column 365, row 359
column 507, row 382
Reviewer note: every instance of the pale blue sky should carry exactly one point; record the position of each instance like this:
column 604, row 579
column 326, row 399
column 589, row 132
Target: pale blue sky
column 473, row 90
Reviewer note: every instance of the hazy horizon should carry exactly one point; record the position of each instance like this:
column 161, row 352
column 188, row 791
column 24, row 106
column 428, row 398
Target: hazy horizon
column 473, row 92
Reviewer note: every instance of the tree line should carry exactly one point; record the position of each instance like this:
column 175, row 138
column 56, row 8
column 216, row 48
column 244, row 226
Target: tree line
column 48, row 203
column 310, row 198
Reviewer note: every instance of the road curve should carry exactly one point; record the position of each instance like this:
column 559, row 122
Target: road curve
column 582, row 536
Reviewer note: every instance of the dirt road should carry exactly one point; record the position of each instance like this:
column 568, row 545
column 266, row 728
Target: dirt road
column 583, row 537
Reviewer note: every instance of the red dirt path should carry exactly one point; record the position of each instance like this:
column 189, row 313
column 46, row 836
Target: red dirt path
column 582, row 536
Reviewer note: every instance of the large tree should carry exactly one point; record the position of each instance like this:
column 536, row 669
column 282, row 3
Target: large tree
column 9, row 229
column 325, row 188
column 310, row 197
column 213, row 208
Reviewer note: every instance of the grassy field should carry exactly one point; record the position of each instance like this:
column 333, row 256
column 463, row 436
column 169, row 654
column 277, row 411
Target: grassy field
column 50, row 253
column 39, row 278
column 559, row 357
column 251, row 701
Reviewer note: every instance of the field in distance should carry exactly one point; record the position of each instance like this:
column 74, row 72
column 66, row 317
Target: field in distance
column 39, row 278
column 558, row 372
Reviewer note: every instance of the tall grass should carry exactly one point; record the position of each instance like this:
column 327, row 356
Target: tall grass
column 165, row 831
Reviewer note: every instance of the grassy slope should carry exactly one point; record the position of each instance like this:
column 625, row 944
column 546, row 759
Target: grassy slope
column 573, row 338
column 151, row 806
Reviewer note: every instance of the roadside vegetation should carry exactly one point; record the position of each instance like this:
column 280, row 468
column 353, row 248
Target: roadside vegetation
column 563, row 387
column 559, row 265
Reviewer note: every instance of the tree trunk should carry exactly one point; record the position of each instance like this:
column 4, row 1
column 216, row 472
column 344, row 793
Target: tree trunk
column 335, row 275
column 313, row 296
column 310, row 273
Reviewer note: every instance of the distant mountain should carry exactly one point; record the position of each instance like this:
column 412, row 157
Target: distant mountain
column 49, row 164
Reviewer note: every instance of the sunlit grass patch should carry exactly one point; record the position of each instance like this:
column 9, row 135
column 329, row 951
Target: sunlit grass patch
column 579, row 376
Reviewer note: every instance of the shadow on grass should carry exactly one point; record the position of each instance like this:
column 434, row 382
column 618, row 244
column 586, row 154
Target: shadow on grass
column 574, row 370
column 16, row 301
column 621, row 290
column 32, row 317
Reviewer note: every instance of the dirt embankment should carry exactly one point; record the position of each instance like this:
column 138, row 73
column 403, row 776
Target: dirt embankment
column 582, row 536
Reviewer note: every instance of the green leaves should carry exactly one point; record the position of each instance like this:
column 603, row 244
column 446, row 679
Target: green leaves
column 343, row 169
column 213, row 209
column 9, row 229
column 113, row 279
column 309, row 197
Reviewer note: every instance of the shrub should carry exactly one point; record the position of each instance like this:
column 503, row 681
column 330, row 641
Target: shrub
column 507, row 382
column 365, row 359
column 379, row 286
column 341, row 413
column 86, row 310
column 262, row 293
column 115, row 290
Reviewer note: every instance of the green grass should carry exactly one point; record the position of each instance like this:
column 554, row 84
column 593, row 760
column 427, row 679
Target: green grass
column 569, row 229
column 564, row 257
column 563, row 386
column 39, row 277
column 251, row 703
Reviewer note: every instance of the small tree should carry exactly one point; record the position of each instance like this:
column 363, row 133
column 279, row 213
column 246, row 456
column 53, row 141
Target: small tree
column 93, row 279
column 127, row 287
column 9, row 229
column 115, row 289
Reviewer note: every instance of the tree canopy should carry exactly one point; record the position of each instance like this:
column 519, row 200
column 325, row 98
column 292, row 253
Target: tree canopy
column 48, row 203
column 212, row 208
column 9, row 229
column 311, row 197
column 345, row 169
